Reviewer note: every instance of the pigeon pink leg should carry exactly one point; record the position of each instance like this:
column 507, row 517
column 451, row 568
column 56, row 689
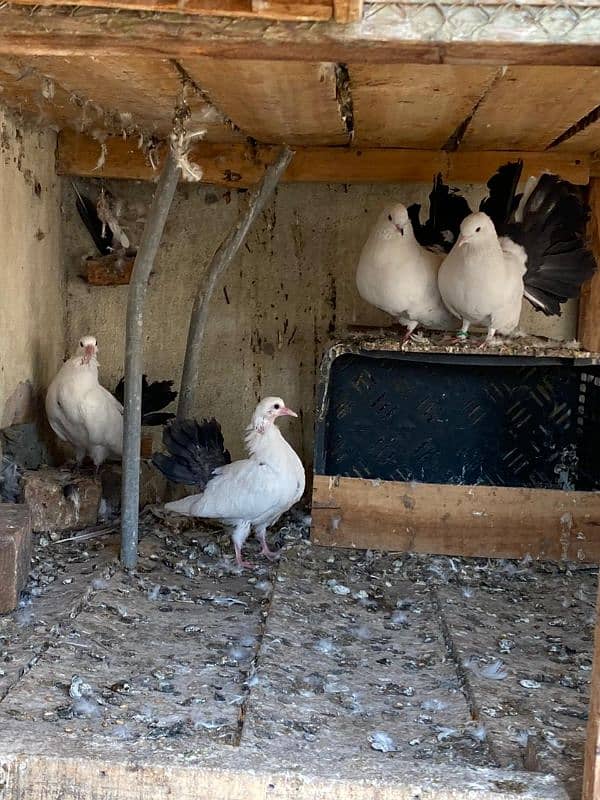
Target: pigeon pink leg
column 261, row 534
column 239, row 536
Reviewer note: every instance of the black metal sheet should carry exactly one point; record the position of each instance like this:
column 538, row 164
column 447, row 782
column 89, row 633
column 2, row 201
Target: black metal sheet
column 489, row 421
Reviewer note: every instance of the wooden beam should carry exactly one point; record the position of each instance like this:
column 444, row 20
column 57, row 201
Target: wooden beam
column 294, row 10
column 473, row 521
column 237, row 165
column 94, row 32
column 588, row 329
column 345, row 11
column 591, row 767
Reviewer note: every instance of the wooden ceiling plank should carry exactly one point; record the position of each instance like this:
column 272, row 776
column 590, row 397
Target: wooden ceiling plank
column 237, row 165
column 139, row 91
column 406, row 105
column 26, row 92
column 274, row 102
column 93, row 32
column 529, row 107
column 295, row 10
column 585, row 141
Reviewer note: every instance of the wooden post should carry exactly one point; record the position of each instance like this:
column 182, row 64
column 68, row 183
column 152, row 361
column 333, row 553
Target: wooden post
column 588, row 331
column 591, row 769
column 220, row 261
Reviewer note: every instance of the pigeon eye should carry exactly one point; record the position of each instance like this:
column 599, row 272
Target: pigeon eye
column 81, row 344
column 390, row 217
column 477, row 230
column 276, row 406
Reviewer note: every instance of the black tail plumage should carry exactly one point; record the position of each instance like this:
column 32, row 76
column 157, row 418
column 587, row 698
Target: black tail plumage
column 155, row 396
column 553, row 234
column 503, row 200
column 551, row 229
column 91, row 220
column 195, row 449
column 447, row 209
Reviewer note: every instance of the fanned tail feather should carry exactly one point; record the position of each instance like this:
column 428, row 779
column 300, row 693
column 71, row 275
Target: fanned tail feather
column 447, row 209
column 502, row 200
column 553, row 234
column 155, row 397
column 195, row 451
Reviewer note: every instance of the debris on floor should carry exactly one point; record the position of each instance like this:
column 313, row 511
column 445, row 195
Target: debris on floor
column 332, row 662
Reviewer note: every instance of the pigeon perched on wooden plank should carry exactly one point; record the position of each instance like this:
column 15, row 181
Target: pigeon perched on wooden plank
column 533, row 246
column 251, row 493
column 399, row 276
column 481, row 281
column 81, row 411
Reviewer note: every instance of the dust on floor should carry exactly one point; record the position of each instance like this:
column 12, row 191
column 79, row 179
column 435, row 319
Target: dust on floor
column 333, row 662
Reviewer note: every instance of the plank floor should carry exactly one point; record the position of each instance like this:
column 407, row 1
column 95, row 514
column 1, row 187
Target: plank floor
column 365, row 675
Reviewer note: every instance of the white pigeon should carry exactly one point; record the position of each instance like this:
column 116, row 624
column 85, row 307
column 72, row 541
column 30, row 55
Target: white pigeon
column 481, row 279
column 252, row 493
column 81, row 411
column 399, row 276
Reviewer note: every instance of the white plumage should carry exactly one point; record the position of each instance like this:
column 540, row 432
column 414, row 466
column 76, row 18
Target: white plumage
column 399, row 276
column 254, row 492
column 81, row 411
column 481, row 279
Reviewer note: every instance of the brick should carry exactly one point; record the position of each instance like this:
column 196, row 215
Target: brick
column 15, row 553
column 51, row 495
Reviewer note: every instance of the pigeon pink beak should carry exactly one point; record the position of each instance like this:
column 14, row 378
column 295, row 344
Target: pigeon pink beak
column 286, row 412
column 461, row 240
column 88, row 353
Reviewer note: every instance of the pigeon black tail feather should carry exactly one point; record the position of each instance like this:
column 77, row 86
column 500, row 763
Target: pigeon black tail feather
column 502, row 200
column 447, row 209
column 195, row 451
column 91, row 220
column 552, row 234
column 155, row 397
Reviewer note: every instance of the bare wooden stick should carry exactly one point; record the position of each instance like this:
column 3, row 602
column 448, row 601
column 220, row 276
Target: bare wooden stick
column 132, row 417
column 220, row 261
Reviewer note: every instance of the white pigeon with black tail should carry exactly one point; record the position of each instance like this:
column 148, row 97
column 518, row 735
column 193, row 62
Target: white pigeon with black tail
column 87, row 416
column 81, row 411
column 248, row 494
column 531, row 245
column 399, row 276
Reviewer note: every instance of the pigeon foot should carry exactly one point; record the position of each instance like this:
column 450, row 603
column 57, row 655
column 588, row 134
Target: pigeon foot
column 272, row 555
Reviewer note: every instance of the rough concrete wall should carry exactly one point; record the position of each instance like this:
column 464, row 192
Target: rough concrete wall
column 290, row 290
column 32, row 279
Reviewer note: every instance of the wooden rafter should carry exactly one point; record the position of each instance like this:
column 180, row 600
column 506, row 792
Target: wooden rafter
column 94, row 32
column 237, row 165
column 294, row 10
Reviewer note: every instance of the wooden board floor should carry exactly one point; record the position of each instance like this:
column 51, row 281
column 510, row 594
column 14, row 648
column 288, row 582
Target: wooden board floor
column 334, row 669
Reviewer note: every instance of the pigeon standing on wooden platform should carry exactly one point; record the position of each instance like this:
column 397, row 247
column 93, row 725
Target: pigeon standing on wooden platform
column 87, row 416
column 251, row 493
column 399, row 276
column 531, row 245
